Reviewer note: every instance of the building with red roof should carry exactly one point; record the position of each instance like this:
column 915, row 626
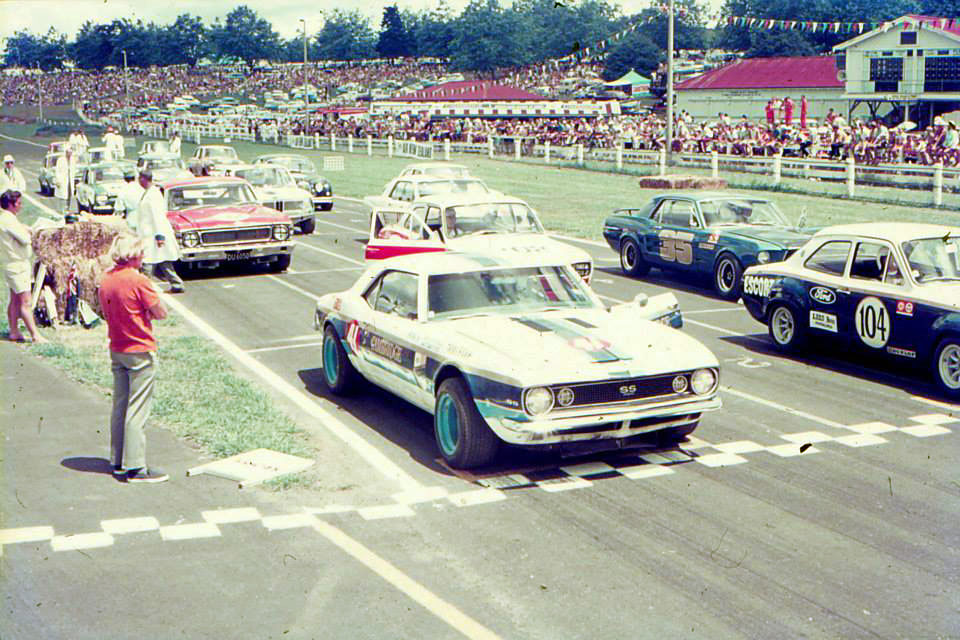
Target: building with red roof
column 483, row 99
column 744, row 87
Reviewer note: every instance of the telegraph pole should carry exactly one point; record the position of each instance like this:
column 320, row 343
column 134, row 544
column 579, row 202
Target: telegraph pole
column 126, row 91
column 40, row 91
column 306, row 94
column 669, row 140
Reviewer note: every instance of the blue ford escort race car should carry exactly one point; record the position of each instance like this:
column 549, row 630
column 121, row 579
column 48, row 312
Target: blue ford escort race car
column 890, row 289
column 715, row 234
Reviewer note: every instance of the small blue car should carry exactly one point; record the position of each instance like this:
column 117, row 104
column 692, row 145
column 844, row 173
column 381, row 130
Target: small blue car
column 710, row 233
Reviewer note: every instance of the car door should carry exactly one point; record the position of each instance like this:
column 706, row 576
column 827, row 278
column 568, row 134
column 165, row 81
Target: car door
column 827, row 291
column 388, row 356
column 670, row 244
column 396, row 233
column 85, row 188
column 883, row 320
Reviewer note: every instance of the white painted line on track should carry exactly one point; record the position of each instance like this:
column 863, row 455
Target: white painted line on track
column 294, row 287
column 79, row 541
column 367, row 451
column 726, row 332
column 413, row 589
column 329, row 253
column 348, row 198
column 592, row 243
column 31, row 142
column 289, row 346
column 316, row 271
column 781, row 407
column 698, row 311
column 936, row 403
column 343, row 226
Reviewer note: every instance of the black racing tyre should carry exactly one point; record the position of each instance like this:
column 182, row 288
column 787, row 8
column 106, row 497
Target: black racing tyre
column 282, row 263
column 338, row 372
column 727, row 277
column 786, row 328
column 946, row 365
column 631, row 259
column 307, row 226
column 463, row 437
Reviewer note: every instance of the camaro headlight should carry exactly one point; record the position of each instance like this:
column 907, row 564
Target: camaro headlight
column 281, row 231
column 763, row 257
column 538, row 400
column 190, row 239
column 703, row 381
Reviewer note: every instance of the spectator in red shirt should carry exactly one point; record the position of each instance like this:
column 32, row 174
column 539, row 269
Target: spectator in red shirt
column 803, row 112
column 769, row 111
column 788, row 110
column 130, row 303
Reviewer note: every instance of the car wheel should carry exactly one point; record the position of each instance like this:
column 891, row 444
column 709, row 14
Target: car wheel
column 946, row 365
column 631, row 260
column 727, row 275
column 463, row 437
column 338, row 372
column 282, row 263
column 307, row 226
column 785, row 330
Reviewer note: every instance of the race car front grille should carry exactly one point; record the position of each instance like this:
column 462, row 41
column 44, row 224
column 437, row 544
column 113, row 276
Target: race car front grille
column 230, row 236
column 623, row 390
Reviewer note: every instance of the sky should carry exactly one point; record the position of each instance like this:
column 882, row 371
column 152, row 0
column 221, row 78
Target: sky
column 67, row 16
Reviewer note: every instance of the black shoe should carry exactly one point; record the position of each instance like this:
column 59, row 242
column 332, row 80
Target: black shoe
column 119, row 473
column 176, row 289
column 146, row 474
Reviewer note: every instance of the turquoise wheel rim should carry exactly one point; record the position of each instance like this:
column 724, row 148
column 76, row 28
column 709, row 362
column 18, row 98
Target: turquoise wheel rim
column 448, row 425
column 331, row 369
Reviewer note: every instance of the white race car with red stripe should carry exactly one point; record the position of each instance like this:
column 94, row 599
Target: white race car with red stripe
column 483, row 224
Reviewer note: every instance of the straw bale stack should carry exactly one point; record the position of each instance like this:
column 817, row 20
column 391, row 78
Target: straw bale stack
column 84, row 245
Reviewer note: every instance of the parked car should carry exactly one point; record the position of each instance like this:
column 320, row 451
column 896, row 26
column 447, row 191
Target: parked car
column 873, row 290
column 276, row 188
column 305, row 174
column 48, row 173
column 513, row 349
column 154, row 147
column 218, row 219
column 207, row 157
column 470, row 223
column 435, row 169
column 410, row 188
column 710, row 233
column 165, row 167
column 98, row 186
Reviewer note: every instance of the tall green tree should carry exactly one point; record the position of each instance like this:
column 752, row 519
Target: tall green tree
column 635, row 51
column 245, row 35
column 25, row 49
column 395, row 40
column 346, row 35
column 186, row 40
column 551, row 29
column 485, row 38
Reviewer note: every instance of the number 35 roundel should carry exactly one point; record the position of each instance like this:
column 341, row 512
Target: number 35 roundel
column 872, row 322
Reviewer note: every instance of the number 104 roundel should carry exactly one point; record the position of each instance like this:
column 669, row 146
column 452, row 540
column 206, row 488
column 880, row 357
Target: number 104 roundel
column 889, row 290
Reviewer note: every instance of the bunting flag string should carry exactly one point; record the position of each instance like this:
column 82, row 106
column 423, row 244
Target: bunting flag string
column 838, row 27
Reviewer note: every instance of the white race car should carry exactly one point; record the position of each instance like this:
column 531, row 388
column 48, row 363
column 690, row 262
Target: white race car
column 509, row 349
column 410, row 188
column 276, row 188
column 488, row 224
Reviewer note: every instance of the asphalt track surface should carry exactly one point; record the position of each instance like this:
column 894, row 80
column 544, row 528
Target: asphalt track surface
column 737, row 534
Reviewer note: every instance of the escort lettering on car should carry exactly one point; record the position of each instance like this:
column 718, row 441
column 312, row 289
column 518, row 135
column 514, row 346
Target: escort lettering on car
column 713, row 234
column 875, row 289
column 218, row 219
column 459, row 222
column 511, row 349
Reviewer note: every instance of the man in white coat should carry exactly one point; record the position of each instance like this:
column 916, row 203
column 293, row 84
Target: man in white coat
column 175, row 143
column 128, row 199
column 63, row 179
column 161, row 249
column 13, row 175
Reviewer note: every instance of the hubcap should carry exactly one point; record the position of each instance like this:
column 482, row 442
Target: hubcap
column 949, row 366
column 330, row 370
column 628, row 256
column 725, row 275
column 782, row 326
column 448, row 425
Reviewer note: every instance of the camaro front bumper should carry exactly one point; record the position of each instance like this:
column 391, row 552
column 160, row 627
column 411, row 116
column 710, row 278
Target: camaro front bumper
column 321, row 200
column 602, row 423
column 232, row 252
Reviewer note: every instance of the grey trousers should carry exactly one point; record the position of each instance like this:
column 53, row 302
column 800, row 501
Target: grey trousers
column 165, row 271
column 133, row 375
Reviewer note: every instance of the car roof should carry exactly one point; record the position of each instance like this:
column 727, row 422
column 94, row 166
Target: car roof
column 444, row 200
column 216, row 146
column 436, row 263
column 429, row 178
column 893, row 231
column 709, row 195
column 418, row 165
column 204, row 180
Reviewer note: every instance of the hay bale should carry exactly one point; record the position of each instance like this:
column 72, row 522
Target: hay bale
column 85, row 246
column 682, row 182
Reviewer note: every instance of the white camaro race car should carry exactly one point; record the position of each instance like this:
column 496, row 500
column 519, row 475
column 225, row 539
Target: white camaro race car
column 503, row 349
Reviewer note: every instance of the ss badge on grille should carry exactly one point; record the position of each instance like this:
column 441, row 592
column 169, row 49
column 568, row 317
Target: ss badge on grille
column 628, row 389
column 565, row 397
